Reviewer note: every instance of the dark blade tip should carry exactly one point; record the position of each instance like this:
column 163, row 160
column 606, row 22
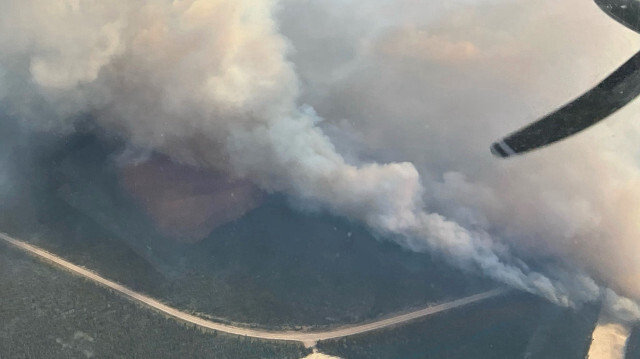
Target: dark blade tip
column 498, row 151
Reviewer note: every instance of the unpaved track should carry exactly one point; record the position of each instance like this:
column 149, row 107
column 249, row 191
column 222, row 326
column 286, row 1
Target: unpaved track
column 307, row 338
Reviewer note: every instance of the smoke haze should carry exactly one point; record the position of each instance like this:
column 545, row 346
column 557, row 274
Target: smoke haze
column 381, row 112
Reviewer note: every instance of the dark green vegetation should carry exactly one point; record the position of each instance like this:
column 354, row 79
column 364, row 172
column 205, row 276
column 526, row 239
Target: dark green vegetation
column 48, row 313
column 273, row 268
column 513, row 326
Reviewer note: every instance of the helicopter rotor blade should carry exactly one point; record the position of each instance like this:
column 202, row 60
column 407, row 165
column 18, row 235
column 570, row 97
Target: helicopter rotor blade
column 617, row 90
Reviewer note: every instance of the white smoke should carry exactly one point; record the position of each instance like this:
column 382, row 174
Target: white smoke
column 609, row 341
column 316, row 355
column 214, row 83
column 436, row 92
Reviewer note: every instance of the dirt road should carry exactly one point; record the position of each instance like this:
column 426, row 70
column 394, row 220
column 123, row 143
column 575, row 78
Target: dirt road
column 309, row 339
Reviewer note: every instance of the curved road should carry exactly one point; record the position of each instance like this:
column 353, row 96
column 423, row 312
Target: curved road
column 309, row 339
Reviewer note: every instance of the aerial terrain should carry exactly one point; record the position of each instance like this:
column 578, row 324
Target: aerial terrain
column 276, row 268
column 312, row 179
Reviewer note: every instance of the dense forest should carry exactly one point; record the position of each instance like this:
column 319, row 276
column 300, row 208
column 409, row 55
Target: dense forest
column 512, row 326
column 278, row 267
column 48, row 313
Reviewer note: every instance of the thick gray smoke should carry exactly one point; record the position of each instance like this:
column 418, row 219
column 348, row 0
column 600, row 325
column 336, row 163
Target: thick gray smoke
column 294, row 95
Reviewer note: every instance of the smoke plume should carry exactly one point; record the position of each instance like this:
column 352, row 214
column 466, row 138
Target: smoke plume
column 378, row 111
